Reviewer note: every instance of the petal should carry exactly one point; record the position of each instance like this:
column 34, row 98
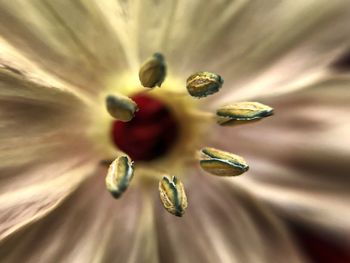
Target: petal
column 90, row 226
column 26, row 197
column 223, row 223
column 43, row 154
column 256, row 46
column 70, row 39
column 36, row 111
column 299, row 157
column 15, row 67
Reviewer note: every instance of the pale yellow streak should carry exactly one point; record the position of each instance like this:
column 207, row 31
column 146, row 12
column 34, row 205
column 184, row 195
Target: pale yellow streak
column 62, row 185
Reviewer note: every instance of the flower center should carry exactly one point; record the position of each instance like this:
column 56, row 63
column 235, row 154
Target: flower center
column 150, row 134
column 145, row 128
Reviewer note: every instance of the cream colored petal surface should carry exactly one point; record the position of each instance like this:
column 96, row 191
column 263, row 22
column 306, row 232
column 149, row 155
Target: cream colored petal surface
column 87, row 43
column 299, row 158
column 15, row 65
column 223, row 224
column 43, row 153
column 70, row 39
column 140, row 243
column 90, row 226
column 258, row 45
column 39, row 191
column 36, row 111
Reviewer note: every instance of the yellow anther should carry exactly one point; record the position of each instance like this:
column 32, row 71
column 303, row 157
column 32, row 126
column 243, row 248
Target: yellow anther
column 242, row 112
column 202, row 84
column 121, row 107
column 222, row 163
column 119, row 175
column 173, row 196
column 153, row 71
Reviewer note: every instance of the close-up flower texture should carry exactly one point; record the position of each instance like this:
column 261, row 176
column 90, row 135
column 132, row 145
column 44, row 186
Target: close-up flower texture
column 175, row 131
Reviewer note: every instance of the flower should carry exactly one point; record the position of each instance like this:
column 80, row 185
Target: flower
column 59, row 60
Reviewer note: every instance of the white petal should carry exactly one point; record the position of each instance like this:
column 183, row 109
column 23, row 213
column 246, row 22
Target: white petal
column 15, row 67
column 256, row 46
column 90, row 226
column 41, row 142
column 35, row 113
column 32, row 193
column 223, row 224
column 299, row 158
column 70, row 39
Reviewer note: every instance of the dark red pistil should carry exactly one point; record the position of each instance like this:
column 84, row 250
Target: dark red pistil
column 151, row 134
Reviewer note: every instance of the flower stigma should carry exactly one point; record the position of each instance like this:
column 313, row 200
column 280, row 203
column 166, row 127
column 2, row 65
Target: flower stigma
column 153, row 135
column 150, row 134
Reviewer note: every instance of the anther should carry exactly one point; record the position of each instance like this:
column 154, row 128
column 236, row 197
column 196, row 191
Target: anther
column 222, row 163
column 202, row 84
column 119, row 175
column 242, row 112
column 172, row 195
column 121, row 107
column 153, row 71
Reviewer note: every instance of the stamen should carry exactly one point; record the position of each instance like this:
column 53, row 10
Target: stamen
column 202, row 115
column 153, row 71
column 202, row 84
column 172, row 195
column 154, row 129
column 119, row 175
column 151, row 134
column 242, row 112
column 121, row 107
column 222, row 163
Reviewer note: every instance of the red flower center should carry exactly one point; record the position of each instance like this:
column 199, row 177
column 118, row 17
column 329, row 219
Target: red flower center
column 150, row 134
